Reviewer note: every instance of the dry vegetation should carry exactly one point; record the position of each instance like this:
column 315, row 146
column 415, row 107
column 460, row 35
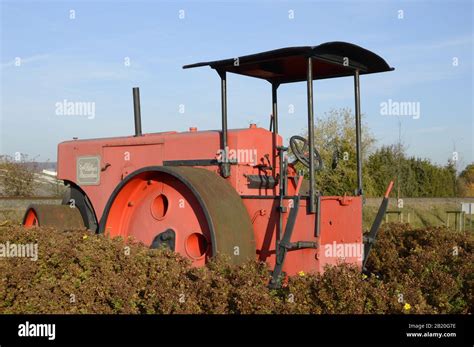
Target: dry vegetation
column 413, row 271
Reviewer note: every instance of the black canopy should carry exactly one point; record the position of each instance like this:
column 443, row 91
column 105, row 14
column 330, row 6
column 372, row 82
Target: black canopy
column 284, row 65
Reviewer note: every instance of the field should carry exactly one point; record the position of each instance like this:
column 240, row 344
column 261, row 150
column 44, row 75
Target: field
column 420, row 212
column 13, row 209
column 427, row 270
column 423, row 212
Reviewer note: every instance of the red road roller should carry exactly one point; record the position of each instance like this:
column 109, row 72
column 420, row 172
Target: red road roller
column 228, row 191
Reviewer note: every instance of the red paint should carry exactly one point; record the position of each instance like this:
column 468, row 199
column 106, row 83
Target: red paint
column 31, row 220
column 389, row 189
column 140, row 210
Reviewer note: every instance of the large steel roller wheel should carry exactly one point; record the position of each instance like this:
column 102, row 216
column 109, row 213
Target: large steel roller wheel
column 193, row 211
column 61, row 217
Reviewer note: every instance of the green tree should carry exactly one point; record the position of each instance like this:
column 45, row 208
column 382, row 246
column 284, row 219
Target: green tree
column 465, row 182
column 381, row 166
column 16, row 177
column 336, row 132
column 417, row 177
column 414, row 177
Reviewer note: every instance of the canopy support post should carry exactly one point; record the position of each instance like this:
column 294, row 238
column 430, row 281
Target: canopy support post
column 224, row 165
column 358, row 132
column 312, row 197
column 275, row 124
column 275, row 107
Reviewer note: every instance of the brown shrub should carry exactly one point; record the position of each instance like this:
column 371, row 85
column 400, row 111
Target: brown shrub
column 414, row 271
column 16, row 178
column 438, row 262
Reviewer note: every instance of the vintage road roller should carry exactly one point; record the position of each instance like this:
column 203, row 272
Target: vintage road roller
column 227, row 191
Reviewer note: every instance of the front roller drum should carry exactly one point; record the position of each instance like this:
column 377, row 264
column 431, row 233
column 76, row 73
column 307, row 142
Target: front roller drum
column 61, row 217
column 192, row 211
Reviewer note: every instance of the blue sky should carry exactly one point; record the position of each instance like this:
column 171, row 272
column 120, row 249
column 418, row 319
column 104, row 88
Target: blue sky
column 82, row 59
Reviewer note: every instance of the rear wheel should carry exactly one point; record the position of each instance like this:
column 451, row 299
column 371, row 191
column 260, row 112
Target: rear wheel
column 61, row 217
column 193, row 211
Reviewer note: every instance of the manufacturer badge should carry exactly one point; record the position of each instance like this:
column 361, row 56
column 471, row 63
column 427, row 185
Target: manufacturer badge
column 88, row 170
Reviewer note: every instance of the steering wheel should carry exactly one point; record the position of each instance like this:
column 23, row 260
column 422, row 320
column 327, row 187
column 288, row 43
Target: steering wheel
column 299, row 147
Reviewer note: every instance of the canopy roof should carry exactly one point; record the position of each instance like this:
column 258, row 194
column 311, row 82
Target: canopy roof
column 284, row 65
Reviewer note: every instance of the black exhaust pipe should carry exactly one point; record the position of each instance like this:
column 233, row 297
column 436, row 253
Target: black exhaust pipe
column 136, row 111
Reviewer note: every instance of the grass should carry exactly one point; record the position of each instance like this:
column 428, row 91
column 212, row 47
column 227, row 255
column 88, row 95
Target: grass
column 426, row 212
column 423, row 213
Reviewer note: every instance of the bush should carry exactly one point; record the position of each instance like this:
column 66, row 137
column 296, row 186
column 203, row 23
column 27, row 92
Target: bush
column 16, row 177
column 335, row 133
column 417, row 177
column 413, row 271
column 437, row 261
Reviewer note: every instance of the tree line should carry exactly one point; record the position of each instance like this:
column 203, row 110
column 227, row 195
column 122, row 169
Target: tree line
column 414, row 177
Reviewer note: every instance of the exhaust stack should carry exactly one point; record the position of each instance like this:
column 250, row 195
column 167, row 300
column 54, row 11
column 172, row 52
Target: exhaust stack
column 136, row 111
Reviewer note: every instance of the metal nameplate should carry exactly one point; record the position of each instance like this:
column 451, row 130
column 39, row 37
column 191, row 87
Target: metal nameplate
column 88, row 170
